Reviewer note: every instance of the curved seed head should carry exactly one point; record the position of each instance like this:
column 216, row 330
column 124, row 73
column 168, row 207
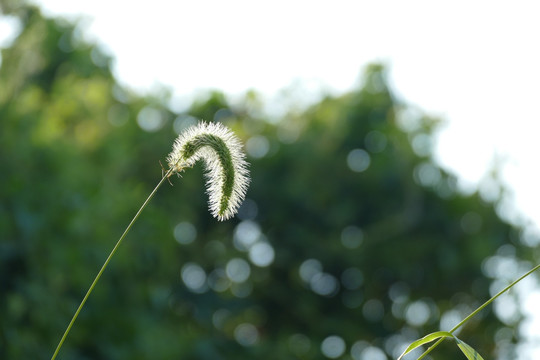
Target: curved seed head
column 227, row 175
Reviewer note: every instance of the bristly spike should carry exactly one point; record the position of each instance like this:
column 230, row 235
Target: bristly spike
column 227, row 174
column 227, row 182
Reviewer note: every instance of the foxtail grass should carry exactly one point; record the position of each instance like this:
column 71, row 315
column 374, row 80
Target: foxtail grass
column 227, row 180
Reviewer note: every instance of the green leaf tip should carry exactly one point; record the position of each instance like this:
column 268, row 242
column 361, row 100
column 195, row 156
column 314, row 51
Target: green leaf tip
column 468, row 351
column 227, row 171
column 425, row 340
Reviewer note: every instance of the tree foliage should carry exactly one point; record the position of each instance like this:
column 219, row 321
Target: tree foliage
column 350, row 230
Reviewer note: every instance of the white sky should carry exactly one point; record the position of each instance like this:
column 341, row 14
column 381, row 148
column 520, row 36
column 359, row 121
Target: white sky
column 473, row 63
column 476, row 64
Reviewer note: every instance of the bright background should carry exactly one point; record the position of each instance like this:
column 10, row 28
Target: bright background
column 473, row 64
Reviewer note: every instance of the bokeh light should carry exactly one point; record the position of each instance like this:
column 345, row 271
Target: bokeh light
column 362, row 350
column 183, row 121
column 324, row 284
column 194, row 277
column 373, row 353
column 427, row 175
column 422, row 144
column 309, row 268
column 417, row 313
column 246, row 234
column 333, row 347
column 257, row 146
column 238, row 270
column 358, row 160
column 150, row 119
column 261, row 254
column 185, row 233
column 246, row 334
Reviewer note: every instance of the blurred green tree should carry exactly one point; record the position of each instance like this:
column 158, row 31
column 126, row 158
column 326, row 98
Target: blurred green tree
column 352, row 242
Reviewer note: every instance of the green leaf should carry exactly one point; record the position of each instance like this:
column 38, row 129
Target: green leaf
column 426, row 339
column 469, row 352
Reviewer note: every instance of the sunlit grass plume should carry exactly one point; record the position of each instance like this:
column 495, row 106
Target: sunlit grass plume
column 227, row 178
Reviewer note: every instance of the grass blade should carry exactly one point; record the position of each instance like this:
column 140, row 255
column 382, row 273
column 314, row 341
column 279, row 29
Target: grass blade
column 427, row 339
column 469, row 352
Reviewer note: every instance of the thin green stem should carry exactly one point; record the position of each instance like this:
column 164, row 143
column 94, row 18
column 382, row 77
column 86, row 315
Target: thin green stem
column 113, row 251
column 480, row 308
